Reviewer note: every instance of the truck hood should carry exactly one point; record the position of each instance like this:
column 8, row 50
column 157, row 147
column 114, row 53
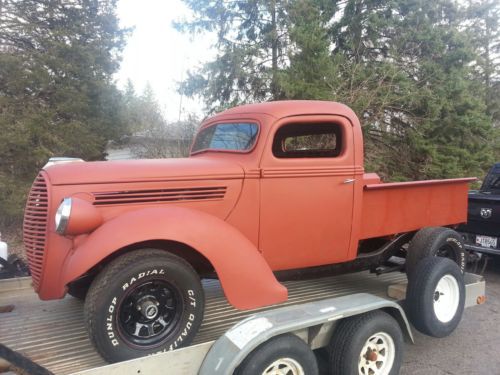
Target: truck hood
column 119, row 171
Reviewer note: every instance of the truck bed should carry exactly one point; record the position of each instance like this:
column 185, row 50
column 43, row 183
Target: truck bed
column 390, row 208
column 52, row 333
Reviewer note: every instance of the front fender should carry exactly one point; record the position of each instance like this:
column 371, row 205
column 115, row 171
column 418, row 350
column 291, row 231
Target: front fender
column 245, row 276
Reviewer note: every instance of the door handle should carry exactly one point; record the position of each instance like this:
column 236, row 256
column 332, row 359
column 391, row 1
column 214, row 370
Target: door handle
column 349, row 181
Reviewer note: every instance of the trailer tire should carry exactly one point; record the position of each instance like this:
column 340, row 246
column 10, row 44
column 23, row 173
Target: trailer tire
column 287, row 353
column 435, row 297
column 435, row 241
column 143, row 302
column 358, row 341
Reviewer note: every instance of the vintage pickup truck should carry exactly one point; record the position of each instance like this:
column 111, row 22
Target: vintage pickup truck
column 269, row 191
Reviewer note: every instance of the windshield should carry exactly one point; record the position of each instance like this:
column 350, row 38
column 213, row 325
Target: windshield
column 239, row 136
column 492, row 183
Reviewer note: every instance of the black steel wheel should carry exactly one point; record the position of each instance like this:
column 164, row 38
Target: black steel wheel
column 143, row 302
column 149, row 312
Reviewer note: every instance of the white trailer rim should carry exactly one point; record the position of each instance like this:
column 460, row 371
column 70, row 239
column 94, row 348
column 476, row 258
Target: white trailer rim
column 284, row 366
column 446, row 298
column 377, row 355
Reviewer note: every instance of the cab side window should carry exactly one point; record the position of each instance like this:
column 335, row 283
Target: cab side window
column 315, row 140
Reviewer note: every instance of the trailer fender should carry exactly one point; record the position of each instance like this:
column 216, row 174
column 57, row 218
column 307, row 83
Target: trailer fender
column 245, row 276
column 237, row 343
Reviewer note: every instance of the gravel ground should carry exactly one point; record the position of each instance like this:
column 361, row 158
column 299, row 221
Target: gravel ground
column 474, row 346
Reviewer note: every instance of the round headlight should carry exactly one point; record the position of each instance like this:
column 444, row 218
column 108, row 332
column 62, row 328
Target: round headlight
column 62, row 215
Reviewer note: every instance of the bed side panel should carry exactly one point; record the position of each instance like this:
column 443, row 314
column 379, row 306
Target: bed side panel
column 402, row 207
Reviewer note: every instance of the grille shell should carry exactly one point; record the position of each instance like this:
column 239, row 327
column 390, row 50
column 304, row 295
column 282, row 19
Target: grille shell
column 35, row 227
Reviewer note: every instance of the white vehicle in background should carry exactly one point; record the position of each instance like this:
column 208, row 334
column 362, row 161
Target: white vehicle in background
column 10, row 264
column 4, row 250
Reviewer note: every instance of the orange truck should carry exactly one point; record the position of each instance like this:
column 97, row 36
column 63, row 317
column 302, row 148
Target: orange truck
column 270, row 191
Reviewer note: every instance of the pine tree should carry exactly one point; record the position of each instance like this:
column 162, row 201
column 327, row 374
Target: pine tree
column 252, row 38
column 57, row 95
column 406, row 67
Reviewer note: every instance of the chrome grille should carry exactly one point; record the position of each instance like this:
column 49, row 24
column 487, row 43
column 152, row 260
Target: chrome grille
column 35, row 227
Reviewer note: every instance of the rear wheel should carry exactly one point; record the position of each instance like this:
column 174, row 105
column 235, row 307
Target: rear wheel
column 143, row 302
column 435, row 297
column 435, row 242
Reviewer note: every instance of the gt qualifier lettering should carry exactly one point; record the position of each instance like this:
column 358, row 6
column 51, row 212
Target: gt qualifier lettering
column 112, row 308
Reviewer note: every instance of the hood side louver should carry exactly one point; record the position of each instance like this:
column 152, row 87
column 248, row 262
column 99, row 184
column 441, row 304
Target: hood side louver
column 159, row 195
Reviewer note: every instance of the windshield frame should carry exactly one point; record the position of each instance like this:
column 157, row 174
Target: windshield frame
column 233, row 121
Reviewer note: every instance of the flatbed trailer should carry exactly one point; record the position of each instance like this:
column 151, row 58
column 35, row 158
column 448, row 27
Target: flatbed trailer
column 53, row 335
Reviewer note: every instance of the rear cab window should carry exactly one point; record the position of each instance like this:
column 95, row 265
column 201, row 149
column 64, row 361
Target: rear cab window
column 321, row 140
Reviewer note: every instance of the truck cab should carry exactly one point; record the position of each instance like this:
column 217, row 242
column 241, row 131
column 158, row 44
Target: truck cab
column 301, row 171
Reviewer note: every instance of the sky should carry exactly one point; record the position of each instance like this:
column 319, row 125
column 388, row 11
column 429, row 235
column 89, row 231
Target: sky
column 159, row 54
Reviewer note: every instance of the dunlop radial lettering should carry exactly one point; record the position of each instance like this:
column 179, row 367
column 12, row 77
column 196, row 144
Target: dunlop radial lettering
column 159, row 195
column 35, row 227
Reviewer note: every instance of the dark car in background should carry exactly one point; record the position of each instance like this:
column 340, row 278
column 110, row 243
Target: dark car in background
column 482, row 231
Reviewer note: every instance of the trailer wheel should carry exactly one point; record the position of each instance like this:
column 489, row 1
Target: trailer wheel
column 284, row 354
column 435, row 297
column 366, row 344
column 435, row 241
column 143, row 302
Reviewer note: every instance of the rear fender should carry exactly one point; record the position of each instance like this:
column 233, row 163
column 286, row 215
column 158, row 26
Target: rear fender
column 246, row 278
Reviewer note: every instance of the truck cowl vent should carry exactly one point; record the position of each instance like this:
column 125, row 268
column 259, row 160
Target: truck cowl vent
column 159, row 195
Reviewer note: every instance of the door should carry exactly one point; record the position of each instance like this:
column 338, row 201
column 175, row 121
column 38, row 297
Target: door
column 307, row 192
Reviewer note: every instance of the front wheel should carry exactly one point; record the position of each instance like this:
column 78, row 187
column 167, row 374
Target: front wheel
column 143, row 302
column 366, row 344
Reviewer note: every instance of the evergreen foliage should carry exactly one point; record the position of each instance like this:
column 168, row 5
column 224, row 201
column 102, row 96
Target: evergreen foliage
column 421, row 75
column 57, row 95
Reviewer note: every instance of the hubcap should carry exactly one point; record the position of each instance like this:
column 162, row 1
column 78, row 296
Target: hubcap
column 446, row 298
column 149, row 313
column 284, row 366
column 377, row 355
